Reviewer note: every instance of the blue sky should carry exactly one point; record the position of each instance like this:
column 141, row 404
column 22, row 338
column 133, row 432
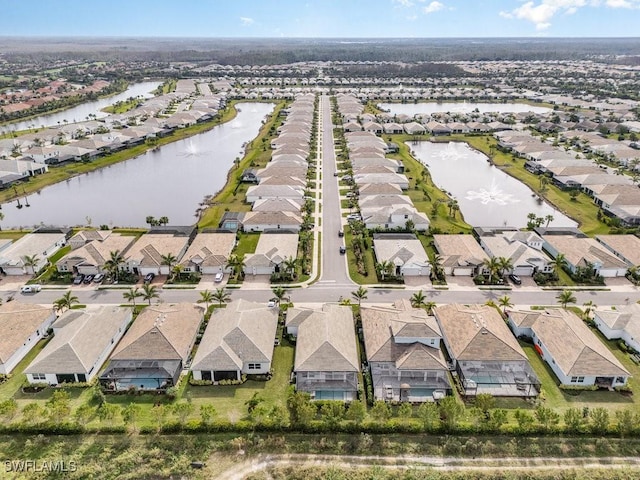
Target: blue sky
column 322, row 18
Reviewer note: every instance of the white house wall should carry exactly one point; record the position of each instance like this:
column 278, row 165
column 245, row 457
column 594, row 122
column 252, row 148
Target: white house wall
column 31, row 341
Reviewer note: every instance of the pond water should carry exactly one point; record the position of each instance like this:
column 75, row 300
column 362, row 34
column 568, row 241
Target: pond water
column 171, row 181
column 412, row 109
column 81, row 112
column 487, row 196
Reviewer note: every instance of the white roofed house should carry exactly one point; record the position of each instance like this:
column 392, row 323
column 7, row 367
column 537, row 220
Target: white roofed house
column 269, row 220
column 258, row 192
column 326, row 360
column 523, row 249
column 239, row 339
column 461, row 254
column 208, row 253
column 583, row 253
column 402, row 344
column 621, row 323
column 22, row 326
column 404, row 251
column 393, row 217
column 38, row 245
column 570, row 348
column 82, row 341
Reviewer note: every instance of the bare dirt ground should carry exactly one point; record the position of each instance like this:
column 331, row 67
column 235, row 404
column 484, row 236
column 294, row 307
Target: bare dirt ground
column 246, row 466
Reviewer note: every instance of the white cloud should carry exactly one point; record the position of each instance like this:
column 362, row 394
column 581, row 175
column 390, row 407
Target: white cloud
column 623, row 3
column 246, row 21
column 433, row 7
column 404, row 3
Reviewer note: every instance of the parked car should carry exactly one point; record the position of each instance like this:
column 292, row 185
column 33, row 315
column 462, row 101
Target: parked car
column 343, row 250
column 354, row 217
column 30, row 288
column 336, row 173
column 272, row 302
column 88, row 279
column 340, row 233
column 98, row 278
column 218, row 278
column 148, row 278
column 78, row 280
column 515, row 279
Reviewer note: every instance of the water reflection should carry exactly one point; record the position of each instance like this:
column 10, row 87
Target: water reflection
column 486, row 195
column 170, row 181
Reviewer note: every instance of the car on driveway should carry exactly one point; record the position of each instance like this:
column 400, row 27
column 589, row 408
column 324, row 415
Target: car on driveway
column 148, row 278
column 98, row 278
column 88, row 279
column 78, row 279
column 218, row 278
column 354, row 217
column 515, row 279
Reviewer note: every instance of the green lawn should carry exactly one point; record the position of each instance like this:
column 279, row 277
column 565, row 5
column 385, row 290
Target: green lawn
column 368, row 259
column 247, row 243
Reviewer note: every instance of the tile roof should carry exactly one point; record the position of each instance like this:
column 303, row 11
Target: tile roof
column 18, row 321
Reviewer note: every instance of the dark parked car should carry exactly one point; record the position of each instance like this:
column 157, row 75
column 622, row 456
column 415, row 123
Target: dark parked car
column 340, row 233
column 343, row 250
column 515, row 279
column 88, row 279
column 148, row 278
column 78, row 280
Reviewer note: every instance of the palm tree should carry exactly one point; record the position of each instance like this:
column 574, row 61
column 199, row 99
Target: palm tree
column 131, row 295
column 505, row 302
column 558, row 263
column 493, row 265
column 66, row 301
column 116, row 259
column 359, row 295
column 417, row 299
column 206, row 297
column 221, row 296
column 236, row 263
column 549, row 218
column 176, row 270
column 169, row 259
column 589, row 307
column 383, row 268
column 504, row 265
column 163, row 220
column 149, row 292
column 290, row 265
column 430, row 306
column 565, row 297
column 436, row 266
column 279, row 293
column 30, row 262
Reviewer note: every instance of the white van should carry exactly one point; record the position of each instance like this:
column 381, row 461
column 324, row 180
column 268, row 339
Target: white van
column 30, row 288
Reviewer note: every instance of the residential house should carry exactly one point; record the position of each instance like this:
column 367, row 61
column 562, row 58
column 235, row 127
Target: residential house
column 523, row 249
column 257, row 192
column 239, row 339
column 261, row 221
column 277, row 205
column 461, row 255
column 393, row 217
column 83, row 237
column 22, row 326
column 570, row 349
column 38, row 244
column 146, row 254
column 91, row 258
column 326, row 362
column 82, row 341
column 625, row 247
column 402, row 344
column 271, row 252
column 404, row 251
column 621, row 323
column 155, row 349
column 486, row 356
column 208, row 253
column 585, row 253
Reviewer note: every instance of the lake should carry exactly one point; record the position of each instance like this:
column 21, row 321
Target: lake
column 80, row 113
column 487, row 196
column 171, row 181
column 412, row 109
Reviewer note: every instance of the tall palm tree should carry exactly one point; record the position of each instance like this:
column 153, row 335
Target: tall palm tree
column 112, row 265
column 430, row 306
column 504, row 265
column 279, row 293
column 236, row 263
column 131, row 295
column 436, row 266
column 505, row 302
column 290, row 265
column 206, row 297
column 417, row 299
column 149, row 292
column 383, row 268
column 221, row 296
column 558, row 263
column 549, row 218
column 66, row 301
column 169, row 259
column 163, row 220
column 360, row 294
column 492, row 265
column 565, row 297
column 589, row 307
column 30, row 262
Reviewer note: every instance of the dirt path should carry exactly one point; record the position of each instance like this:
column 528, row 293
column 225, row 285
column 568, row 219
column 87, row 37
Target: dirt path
column 256, row 464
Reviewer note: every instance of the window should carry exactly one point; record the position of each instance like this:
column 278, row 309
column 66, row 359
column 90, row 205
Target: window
column 253, row 366
column 39, row 376
column 574, row 379
column 580, row 379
